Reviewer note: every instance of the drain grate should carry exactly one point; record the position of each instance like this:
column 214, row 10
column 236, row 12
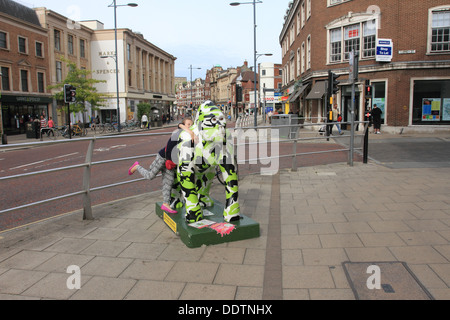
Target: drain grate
column 384, row 281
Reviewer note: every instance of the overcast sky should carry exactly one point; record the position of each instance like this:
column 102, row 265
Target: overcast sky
column 201, row 33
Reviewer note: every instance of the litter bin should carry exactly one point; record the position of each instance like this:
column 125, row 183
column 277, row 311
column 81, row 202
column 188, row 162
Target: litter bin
column 31, row 130
column 285, row 120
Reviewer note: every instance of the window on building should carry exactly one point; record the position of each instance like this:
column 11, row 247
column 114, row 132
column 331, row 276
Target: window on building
column 57, row 35
column 40, row 80
column 58, row 71
column 336, row 45
column 308, row 53
column 70, row 47
column 3, row 40
column 22, row 45
column 5, row 79
column 303, row 13
column 308, row 10
column 440, row 31
column 351, row 40
column 303, row 58
column 130, row 83
column 128, row 52
column 369, row 38
column 360, row 37
column 82, row 48
column 39, row 49
column 292, row 35
column 334, row 2
column 24, row 80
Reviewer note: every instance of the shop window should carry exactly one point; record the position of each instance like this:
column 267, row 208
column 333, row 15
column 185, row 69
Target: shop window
column 431, row 102
column 379, row 97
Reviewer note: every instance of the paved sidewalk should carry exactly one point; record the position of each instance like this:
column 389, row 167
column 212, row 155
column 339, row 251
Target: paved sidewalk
column 327, row 215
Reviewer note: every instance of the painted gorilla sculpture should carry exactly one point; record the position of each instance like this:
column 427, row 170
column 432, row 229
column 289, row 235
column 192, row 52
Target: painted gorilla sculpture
column 197, row 163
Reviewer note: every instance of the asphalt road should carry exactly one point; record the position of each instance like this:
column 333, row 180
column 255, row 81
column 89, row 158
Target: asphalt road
column 17, row 192
column 411, row 152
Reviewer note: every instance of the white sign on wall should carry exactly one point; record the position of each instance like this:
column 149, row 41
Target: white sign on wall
column 384, row 50
column 105, row 68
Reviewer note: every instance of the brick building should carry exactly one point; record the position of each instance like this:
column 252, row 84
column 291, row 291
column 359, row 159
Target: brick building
column 242, row 86
column 24, row 64
column 404, row 53
column 33, row 46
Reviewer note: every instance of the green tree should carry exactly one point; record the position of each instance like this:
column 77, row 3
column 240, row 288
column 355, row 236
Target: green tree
column 85, row 86
column 144, row 108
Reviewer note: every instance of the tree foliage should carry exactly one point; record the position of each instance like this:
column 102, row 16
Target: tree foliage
column 144, row 108
column 85, row 86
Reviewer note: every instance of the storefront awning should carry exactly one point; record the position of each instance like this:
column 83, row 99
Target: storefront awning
column 297, row 93
column 318, row 91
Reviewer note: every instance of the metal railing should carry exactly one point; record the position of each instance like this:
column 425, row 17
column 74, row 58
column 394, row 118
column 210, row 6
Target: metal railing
column 88, row 163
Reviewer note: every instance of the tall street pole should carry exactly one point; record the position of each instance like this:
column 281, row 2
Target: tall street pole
column 254, row 63
column 117, row 67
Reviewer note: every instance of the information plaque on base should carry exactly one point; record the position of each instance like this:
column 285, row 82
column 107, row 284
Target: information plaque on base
column 212, row 229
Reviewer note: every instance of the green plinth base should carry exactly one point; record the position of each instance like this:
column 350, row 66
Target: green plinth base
column 192, row 237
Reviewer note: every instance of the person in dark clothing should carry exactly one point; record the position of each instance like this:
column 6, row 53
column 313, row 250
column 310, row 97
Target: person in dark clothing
column 376, row 118
column 165, row 164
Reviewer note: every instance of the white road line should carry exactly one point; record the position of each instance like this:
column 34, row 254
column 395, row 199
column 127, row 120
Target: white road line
column 42, row 161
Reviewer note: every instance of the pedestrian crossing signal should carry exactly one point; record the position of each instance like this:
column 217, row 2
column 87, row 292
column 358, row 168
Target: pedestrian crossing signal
column 368, row 91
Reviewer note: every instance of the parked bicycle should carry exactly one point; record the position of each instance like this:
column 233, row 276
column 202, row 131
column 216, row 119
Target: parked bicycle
column 78, row 130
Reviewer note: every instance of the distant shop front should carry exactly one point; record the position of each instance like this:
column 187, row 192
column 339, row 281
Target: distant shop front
column 431, row 102
column 17, row 110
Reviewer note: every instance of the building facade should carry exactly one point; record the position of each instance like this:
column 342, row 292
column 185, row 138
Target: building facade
column 407, row 61
column 146, row 73
column 270, row 89
column 34, row 45
column 189, row 95
column 242, row 89
column 24, row 66
column 67, row 41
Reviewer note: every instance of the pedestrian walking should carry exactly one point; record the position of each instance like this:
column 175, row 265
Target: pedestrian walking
column 335, row 118
column 43, row 124
column 144, row 121
column 376, row 118
column 165, row 164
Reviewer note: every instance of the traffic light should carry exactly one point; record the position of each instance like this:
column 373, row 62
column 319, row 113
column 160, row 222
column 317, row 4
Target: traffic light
column 332, row 83
column 70, row 93
column 238, row 93
column 368, row 92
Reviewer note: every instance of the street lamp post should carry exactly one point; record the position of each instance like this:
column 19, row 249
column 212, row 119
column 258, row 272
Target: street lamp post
column 254, row 2
column 3, row 136
column 191, row 67
column 116, row 54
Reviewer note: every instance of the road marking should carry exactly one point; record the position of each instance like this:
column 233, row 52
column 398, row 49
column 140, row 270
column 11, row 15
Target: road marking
column 113, row 147
column 42, row 161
